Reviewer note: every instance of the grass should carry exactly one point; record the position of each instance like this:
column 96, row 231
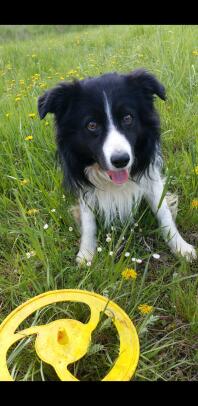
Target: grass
column 34, row 58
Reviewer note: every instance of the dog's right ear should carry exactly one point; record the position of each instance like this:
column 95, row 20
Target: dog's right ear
column 56, row 99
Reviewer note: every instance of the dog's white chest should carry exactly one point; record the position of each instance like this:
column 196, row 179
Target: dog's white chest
column 113, row 201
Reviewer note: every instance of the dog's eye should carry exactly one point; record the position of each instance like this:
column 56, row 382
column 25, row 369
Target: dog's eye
column 127, row 119
column 92, row 126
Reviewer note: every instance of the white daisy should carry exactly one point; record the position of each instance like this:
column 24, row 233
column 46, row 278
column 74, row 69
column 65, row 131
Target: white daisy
column 99, row 249
column 45, row 226
column 156, row 256
column 30, row 254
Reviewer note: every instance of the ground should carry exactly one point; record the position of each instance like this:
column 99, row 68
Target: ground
column 39, row 238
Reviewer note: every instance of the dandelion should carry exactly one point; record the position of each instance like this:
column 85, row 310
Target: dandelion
column 31, row 115
column 30, row 212
column 62, row 78
column 129, row 273
column 70, row 229
column 194, row 203
column 99, row 249
column 30, row 254
column 127, row 254
column 36, row 76
column 29, row 138
column 42, row 85
column 145, row 308
column 156, row 256
column 45, row 226
column 111, row 253
column 17, row 99
column 24, row 182
column 108, row 239
column 196, row 170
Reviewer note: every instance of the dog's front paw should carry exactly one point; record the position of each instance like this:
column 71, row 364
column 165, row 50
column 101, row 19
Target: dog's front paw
column 186, row 250
column 83, row 257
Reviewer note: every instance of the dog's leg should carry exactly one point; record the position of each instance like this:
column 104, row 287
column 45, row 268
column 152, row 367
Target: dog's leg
column 153, row 190
column 88, row 234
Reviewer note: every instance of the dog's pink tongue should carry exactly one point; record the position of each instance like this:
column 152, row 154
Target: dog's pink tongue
column 119, row 177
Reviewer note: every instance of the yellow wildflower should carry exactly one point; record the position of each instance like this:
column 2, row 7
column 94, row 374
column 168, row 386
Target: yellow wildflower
column 129, row 274
column 33, row 55
column 46, row 123
column 62, row 78
column 17, row 99
column 194, row 203
column 145, row 308
column 196, row 170
column 195, row 53
column 32, row 115
column 29, row 138
column 7, row 115
column 24, row 182
column 32, row 211
column 42, row 85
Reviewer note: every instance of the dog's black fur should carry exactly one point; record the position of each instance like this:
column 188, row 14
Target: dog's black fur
column 77, row 103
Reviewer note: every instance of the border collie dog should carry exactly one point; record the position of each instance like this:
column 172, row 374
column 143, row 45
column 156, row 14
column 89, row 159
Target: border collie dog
column 108, row 138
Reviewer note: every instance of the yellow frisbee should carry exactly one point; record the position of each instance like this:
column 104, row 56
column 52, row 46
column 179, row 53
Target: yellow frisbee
column 65, row 341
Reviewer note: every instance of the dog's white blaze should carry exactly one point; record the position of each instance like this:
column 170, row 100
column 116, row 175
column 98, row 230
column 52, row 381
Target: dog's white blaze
column 115, row 141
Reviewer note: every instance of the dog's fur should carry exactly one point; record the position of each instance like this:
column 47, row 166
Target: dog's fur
column 108, row 138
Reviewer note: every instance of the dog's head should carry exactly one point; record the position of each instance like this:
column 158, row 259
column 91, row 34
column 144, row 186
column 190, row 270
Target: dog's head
column 109, row 120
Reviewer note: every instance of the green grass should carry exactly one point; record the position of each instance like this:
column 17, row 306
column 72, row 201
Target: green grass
column 168, row 336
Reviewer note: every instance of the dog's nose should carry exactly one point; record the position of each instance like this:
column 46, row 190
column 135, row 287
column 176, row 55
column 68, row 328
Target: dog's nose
column 120, row 160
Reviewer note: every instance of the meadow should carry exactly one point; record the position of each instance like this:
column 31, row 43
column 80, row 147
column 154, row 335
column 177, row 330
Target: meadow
column 39, row 238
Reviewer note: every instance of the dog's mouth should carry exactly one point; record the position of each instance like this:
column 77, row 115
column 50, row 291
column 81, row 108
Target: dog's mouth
column 119, row 177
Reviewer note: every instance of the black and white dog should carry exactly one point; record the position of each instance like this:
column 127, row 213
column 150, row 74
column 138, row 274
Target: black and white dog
column 108, row 138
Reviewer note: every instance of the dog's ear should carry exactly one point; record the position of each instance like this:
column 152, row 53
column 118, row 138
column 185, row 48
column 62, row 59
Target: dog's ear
column 147, row 82
column 56, row 99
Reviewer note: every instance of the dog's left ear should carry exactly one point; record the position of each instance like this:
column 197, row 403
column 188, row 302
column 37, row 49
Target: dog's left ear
column 147, row 82
column 55, row 100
